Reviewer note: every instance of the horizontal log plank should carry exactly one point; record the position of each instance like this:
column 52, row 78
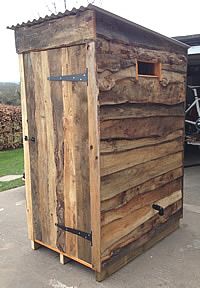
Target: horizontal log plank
column 122, row 111
column 141, row 230
column 121, row 257
column 118, row 145
column 107, row 80
column 118, row 182
column 115, row 56
column 148, row 186
column 111, row 232
column 140, row 201
column 140, row 128
column 145, row 90
column 111, row 163
column 66, row 31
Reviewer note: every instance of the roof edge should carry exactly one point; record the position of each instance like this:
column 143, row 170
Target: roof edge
column 174, row 41
column 75, row 11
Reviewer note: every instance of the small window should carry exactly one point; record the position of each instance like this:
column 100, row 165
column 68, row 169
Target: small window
column 148, row 69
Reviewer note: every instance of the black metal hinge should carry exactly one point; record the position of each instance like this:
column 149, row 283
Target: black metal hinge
column 26, row 138
column 85, row 235
column 72, row 78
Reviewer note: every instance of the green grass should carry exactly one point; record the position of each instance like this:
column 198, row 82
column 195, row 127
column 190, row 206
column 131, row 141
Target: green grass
column 11, row 184
column 11, row 163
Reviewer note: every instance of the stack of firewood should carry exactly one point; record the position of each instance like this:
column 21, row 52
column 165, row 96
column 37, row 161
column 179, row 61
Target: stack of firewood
column 10, row 127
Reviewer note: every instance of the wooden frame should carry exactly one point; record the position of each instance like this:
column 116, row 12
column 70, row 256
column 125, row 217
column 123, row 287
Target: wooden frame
column 157, row 71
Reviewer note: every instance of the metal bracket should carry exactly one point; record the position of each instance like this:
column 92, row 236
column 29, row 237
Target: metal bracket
column 159, row 209
column 29, row 139
column 85, row 235
column 72, row 78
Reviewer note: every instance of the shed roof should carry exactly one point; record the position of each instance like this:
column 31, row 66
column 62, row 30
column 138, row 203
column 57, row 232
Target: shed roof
column 192, row 40
column 75, row 11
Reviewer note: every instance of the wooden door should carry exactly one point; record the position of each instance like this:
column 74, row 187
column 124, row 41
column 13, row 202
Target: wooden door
column 57, row 162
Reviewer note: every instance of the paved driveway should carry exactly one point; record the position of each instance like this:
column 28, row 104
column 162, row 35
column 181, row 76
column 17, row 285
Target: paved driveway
column 172, row 263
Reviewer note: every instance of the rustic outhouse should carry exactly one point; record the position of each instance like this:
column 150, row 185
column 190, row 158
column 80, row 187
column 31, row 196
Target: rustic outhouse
column 103, row 123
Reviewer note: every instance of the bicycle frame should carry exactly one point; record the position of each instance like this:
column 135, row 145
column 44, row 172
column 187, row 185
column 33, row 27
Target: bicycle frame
column 195, row 103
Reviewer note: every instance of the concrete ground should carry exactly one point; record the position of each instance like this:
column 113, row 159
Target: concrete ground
column 172, row 263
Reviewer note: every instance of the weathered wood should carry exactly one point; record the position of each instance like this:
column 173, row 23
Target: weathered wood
column 120, row 145
column 132, row 219
column 148, row 186
column 114, row 56
column 77, row 191
column 55, row 68
column 61, row 32
column 46, row 168
column 141, row 230
column 53, row 198
column 145, row 90
column 107, row 80
column 136, row 248
column 139, row 201
column 94, row 157
column 114, row 162
column 140, row 128
column 27, row 165
column 33, row 149
column 118, row 182
column 35, row 245
column 122, row 111
column 65, row 254
column 64, row 259
column 123, row 31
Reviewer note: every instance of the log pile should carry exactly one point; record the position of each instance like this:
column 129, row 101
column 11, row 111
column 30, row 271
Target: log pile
column 10, row 127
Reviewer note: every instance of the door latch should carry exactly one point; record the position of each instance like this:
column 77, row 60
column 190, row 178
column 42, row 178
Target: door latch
column 159, row 209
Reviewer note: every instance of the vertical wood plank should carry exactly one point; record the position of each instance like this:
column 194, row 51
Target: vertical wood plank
column 77, row 196
column 41, row 143
column 70, row 198
column 32, row 131
column 94, row 143
column 29, row 208
column 55, row 68
column 50, row 145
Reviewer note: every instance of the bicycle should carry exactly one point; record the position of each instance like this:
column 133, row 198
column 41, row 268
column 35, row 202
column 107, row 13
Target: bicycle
column 192, row 119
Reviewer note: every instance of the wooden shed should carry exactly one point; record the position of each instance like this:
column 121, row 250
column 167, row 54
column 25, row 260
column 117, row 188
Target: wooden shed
column 103, row 124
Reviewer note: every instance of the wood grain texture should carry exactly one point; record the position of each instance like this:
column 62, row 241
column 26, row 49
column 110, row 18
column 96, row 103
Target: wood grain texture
column 46, row 168
column 33, row 149
column 141, row 230
column 61, row 32
column 144, row 90
column 118, row 161
column 94, row 157
column 121, row 30
column 118, row 182
column 77, row 189
column 119, row 145
column 27, row 164
column 134, row 249
column 56, row 96
column 140, row 200
column 140, row 128
column 125, row 111
column 141, row 144
column 111, row 232
column 59, row 157
column 114, row 56
column 148, row 186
